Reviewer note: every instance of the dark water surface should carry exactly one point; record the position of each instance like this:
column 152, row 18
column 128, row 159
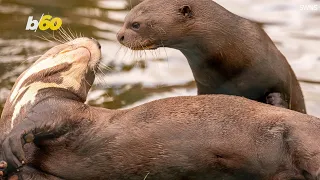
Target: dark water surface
column 139, row 77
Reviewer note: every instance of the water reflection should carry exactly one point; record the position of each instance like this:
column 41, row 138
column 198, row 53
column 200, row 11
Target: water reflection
column 98, row 19
column 140, row 77
column 83, row 16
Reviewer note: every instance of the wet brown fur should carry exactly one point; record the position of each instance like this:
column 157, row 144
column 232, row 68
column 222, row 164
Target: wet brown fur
column 182, row 138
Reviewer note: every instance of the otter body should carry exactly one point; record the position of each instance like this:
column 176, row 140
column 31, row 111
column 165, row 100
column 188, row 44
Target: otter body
column 193, row 138
column 227, row 53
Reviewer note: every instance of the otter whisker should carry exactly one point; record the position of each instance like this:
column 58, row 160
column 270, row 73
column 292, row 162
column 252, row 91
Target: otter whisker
column 34, row 56
column 119, row 50
column 64, row 34
column 100, row 71
column 71, row 33
column 76, row 34
column 101, row 79
column 132, row 53
column 140, row 51
column 165, row 52
column 99, row 68
column 137, row 61
column 57, row 40
column 27, row 59
column 125, row 53
column 96, row 80
column 140, row 54
column 154, row 54
column 146, row 176
column 161, row 40
column 86, row 82
column 43, row 38
column 135, row 55
column 144, row 50
column 130, row 50
column 105, row 66
column 68, row 35
column 61, row 40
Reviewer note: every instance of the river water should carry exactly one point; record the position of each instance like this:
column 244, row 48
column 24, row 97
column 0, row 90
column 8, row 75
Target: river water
column 139, row 77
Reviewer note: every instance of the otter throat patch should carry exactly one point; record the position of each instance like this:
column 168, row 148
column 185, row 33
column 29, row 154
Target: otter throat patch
column 70, row 79
column 45, row 64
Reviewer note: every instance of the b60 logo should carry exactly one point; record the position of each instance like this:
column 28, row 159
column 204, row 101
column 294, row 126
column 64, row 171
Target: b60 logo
column 44, row 23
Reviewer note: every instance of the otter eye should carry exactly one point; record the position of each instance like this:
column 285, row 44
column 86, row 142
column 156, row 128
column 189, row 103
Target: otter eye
column 135, row 25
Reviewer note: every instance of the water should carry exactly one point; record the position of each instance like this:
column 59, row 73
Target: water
column 139, row 77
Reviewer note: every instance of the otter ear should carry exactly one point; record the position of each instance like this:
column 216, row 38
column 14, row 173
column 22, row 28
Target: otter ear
column 186, row 11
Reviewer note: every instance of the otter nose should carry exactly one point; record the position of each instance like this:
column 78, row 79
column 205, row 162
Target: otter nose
column 98, row 44
column 120, row 36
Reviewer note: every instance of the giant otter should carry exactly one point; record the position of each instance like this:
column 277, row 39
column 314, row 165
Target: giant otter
column 203, row 137
column 56, row 136
column 66, row 70
column 228, row 54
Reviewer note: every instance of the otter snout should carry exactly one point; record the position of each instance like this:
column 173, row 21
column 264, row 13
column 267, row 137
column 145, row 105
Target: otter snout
column 135, row 39
column 98, row 44
column 135, row 27
column 120, row 36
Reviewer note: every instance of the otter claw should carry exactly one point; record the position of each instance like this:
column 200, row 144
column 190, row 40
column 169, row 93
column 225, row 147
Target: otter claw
column 13, row 150
column 3, row 166
column 28, row 138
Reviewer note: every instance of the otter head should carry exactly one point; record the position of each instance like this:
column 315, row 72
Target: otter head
column 66, row 70
column 158, row 23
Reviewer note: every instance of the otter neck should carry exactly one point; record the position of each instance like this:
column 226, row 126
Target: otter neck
column 209, row 71
column 61, row 93
column 222, row 54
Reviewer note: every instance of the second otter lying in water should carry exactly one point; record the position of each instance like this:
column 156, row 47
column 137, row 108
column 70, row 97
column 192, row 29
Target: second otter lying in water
column 182, row 138
column 227, row 53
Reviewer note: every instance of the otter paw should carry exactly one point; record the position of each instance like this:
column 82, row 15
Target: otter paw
column 276, row 99
column 12, row 147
